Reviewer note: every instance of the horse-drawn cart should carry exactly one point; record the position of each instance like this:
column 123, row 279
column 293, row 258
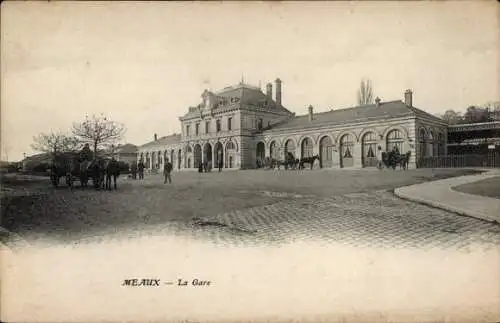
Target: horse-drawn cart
column 71, row 168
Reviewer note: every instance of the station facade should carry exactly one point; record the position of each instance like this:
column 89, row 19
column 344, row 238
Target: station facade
column 241, row 125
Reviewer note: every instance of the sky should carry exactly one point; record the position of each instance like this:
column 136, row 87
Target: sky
column 143, row 64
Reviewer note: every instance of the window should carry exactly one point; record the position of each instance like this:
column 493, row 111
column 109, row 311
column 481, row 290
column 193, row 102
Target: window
column 229, row 125
column 395, row 139
column 207, row 126
column 259, row 126
column 307, row 147
column 197, row 129
column 346, row 146
column 217, row 125
column 187, row 130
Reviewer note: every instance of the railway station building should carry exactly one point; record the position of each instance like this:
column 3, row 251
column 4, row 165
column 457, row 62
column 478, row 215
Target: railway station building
column 241, row 125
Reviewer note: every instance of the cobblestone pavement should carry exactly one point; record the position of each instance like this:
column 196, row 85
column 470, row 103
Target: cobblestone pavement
column 253, row 207
column 375, row 219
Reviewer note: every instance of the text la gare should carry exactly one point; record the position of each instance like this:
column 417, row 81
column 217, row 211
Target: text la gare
column 194, row 282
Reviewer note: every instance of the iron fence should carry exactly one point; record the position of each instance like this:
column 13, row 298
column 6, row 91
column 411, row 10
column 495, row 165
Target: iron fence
column 489, row 160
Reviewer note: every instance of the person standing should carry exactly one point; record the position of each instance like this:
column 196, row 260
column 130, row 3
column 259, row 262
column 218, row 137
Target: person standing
column 219, row 160
column 379, row 157
column 167, row 169
column 133, row 170
column 140, row 168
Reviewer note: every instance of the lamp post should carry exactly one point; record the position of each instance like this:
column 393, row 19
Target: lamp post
column 24, row 163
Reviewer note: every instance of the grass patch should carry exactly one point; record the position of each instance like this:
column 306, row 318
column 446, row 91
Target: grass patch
column 489, row 187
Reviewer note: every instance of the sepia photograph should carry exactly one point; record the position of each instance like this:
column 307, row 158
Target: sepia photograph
column 274, row 161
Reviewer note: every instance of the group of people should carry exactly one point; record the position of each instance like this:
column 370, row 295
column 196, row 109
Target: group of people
column 140, row 166
column 138, row 169
column 206, row 166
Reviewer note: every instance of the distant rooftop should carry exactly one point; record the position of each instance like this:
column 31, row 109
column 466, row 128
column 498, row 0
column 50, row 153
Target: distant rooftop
column 165, row 140
column 127, row 149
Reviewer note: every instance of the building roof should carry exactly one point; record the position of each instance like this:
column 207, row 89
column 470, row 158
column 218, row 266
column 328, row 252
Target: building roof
column 386, row 110
column 244, row 95
column 165, row 140
column 127, row 149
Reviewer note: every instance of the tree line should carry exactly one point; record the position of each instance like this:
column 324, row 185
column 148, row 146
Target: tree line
column 96, row 133
column 474, row 113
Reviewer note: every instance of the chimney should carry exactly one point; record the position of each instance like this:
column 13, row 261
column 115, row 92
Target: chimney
column 377, row 102
column 156, row 137
column 269, row 91
column 278, row 91
column 409, row 98
column 310, row 113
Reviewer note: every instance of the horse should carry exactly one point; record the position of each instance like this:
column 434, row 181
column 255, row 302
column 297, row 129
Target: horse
column 392, row 159
column 57, row 170
column 267, row 162
column 84, row 173
column 404, row 159
column 97, row 171
column 276, row 163
column 62, row 167
column 308, row 160
column 112, row 170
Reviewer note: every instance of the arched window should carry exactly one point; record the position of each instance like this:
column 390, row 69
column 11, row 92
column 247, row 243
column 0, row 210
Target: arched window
column 307, row 147
column 325, row 151
column 434, row 144
column 290, row 147
column 422, row 142
column 369, row 149
column 395, row 139
column 261, row 152
column 346, row 144
column 273, row 150
column 346, row 150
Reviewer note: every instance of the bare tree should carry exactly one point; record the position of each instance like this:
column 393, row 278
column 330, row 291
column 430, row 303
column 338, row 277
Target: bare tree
column 452, row 117
column 475, row 114
column 98, row 131
column 365, row 93
column 54, row 143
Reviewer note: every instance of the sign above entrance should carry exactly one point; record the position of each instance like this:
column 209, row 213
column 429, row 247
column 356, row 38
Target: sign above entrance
column 491, row 146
